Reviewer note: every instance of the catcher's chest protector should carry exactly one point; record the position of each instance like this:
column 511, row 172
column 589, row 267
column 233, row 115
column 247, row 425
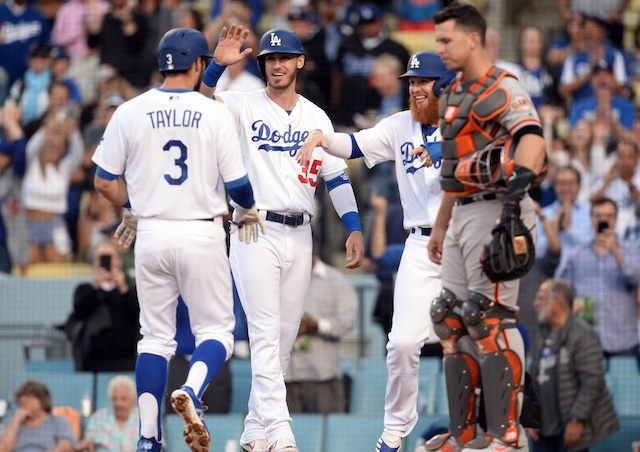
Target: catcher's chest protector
column 466, row 124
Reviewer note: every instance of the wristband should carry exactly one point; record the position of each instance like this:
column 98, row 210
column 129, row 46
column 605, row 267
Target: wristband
column 351, row 221
column 434, row 149
column 212, row 74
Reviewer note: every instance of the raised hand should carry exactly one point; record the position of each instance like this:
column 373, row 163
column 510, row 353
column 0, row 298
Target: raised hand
column 228, row 51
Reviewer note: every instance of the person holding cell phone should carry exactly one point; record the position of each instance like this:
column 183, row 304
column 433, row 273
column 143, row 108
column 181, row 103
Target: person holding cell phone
column 607, row 270
column 103, row 326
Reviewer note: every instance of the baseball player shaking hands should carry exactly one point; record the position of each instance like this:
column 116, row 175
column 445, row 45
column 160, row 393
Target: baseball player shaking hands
column 492, row 151
column 273, row 275
column 401, row 138
column 164, row 154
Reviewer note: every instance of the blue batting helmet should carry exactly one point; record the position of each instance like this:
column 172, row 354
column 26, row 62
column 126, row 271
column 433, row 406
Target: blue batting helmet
column 429, row 65
column 278, row 40
column 180, row 47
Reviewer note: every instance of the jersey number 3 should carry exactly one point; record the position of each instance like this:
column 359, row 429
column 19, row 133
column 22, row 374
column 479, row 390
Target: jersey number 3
column 310, row 173
column 179, row 162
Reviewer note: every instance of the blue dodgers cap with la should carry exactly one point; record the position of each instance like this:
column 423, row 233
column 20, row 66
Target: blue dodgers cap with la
column 368, row 12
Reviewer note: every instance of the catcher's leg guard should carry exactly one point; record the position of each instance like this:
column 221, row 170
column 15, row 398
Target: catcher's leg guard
column 447, row 324
column 500, row 367
column 462, row 376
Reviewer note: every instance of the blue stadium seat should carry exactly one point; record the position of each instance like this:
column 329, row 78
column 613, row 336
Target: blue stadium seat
column 309, row 431
column 367, row 393
column 51, row 365
column 240, row 389
column 373, row 366
column 622, row 439
column 67, row 389
column 441, row 403
column 626, row 394
column 430, row 365
column 223, row 428
column 102, row 382
column 623, row 365
column 238, row 366
column 353, row 433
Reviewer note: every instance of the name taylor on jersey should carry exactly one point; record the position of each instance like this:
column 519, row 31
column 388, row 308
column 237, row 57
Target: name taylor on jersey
column 174, row 118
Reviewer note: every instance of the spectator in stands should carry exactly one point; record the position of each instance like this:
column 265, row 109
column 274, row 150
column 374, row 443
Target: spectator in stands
column 93, row 223
column 188, row 17
column 632, row 61
column 60, row 64
column 159, row 19
column 622, row 183
column 351, row 91
column 586, row 149
column 385, row 246
column 316, row 73
column 33, row 426
column 217, row 396
column 577, row 68
column 605, row 104
column 392, row 93
column 12, row 168
column 75, row 22
column 31, row 90
column 239, row 12
column 114, row 429
column 568, row 376
column 53, row 155
column 494, row 49
column 122, row 41
column 59, row 101
column 21, row 27
column 534, row 73
column 314, row 378
column 570, row 43
column 607, row 270
column 103, row 326
column 609, row 12
column 567, row 219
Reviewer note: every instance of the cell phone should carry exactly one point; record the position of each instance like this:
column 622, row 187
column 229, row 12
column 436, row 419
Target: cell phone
column 602, row 225
column 105, row 261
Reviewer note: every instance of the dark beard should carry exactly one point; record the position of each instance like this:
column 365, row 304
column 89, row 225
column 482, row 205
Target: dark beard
column 428, row 115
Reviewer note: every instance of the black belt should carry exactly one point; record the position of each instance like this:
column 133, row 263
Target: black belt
column 422, row 231
column 469, row 199
column 289, row 220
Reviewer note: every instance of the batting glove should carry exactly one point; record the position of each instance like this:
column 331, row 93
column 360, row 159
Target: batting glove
column 126, row 232
column 246, row 222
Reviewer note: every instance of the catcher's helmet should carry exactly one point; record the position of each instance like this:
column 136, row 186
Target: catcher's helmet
column 278, row 40
column 180, row 47
column 429, row 65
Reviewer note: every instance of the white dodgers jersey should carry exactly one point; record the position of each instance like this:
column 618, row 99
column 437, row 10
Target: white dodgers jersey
column 173, row 147
column 392, row 139
column 270, row 138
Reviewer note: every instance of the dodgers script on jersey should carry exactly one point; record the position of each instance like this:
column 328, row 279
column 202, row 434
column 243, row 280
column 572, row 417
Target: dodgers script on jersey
column 175, row 129
column 392, row 139
column 273, row 137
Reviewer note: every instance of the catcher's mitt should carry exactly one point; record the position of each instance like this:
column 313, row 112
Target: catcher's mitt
column 511, row 252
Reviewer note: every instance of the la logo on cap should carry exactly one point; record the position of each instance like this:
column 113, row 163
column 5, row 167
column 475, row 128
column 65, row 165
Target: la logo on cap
column 275, row 40
column 415, row 62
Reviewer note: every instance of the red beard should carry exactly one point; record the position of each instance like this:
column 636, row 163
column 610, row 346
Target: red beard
column 427, row 114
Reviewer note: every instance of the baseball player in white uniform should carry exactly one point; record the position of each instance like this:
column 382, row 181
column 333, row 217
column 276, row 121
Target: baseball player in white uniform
column 169, row 154
column 273, row 275
column 400, row 138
